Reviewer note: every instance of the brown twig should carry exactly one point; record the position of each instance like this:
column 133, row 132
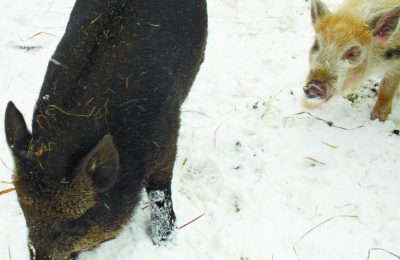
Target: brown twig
column 44, row 148
column 315, row 160
column 317, row 226
column 87, row 103
column 38, row 121
column 97, row 18
column 5, row 165
column 381, row 249
column 185, row 161
column 39, row 33
column 330, row 145
column 127, row 102
column 6, row 191
column 190, row 222
column 329, row 123
column 146, row 206
column 69, row 113
column 126, row 83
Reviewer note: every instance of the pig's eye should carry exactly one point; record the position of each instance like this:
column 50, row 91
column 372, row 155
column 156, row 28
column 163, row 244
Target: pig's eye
column 315, row 46
column 352, row 54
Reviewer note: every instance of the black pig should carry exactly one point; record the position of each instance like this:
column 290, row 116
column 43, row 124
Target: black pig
column 106, row 123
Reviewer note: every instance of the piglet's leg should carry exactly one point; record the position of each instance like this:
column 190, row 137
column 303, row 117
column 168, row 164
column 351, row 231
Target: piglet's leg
column 162, row 215
column 383, row 105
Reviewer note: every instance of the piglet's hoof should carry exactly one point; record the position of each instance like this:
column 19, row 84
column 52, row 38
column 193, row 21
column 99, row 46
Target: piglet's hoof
column 162, row 218
column 380, row 112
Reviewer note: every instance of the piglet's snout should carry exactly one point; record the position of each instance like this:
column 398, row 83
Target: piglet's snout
column 315, row 89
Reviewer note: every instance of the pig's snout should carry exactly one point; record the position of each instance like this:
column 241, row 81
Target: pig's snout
column 316, row 89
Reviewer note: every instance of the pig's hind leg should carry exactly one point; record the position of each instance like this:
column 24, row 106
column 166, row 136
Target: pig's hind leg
column 162, row 212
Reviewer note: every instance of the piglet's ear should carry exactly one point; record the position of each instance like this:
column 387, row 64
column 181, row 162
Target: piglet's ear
column 17, row 133
column 318, row 9
column 384, row 26
column 101, row 164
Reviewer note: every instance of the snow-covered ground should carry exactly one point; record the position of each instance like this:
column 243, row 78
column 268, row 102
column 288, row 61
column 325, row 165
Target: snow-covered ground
column 271, row 183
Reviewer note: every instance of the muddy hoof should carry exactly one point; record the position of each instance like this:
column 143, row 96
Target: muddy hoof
column 380, row 113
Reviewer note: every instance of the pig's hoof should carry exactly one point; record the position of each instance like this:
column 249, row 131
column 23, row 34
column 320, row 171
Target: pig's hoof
column 164, row 237
column 380, row 113
column 163, row 231
column 162, row 218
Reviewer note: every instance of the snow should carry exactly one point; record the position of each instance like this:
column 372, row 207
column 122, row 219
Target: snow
column 161, row 220
column 263, row 175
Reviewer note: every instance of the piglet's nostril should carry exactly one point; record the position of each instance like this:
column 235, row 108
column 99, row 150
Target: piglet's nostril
column 306, row 89
column 315, row 89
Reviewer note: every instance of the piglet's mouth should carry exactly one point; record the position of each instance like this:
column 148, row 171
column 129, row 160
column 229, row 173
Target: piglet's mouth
column 316, row 90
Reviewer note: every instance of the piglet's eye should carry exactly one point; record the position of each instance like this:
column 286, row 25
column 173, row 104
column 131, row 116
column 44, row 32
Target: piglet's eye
column 315, row 46
column 352, row 54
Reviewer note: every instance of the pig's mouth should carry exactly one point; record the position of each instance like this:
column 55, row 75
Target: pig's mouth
column 317, row 91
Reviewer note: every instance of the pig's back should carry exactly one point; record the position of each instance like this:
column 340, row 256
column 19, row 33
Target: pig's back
column 125, row 74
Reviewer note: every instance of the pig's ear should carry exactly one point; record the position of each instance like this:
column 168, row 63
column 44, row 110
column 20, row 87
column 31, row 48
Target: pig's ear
column 101, row 164
column 384, row 26
column 318, row 9
column 17, row 133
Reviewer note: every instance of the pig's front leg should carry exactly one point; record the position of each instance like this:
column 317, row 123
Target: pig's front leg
column 387, row 91
column 162, row 215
